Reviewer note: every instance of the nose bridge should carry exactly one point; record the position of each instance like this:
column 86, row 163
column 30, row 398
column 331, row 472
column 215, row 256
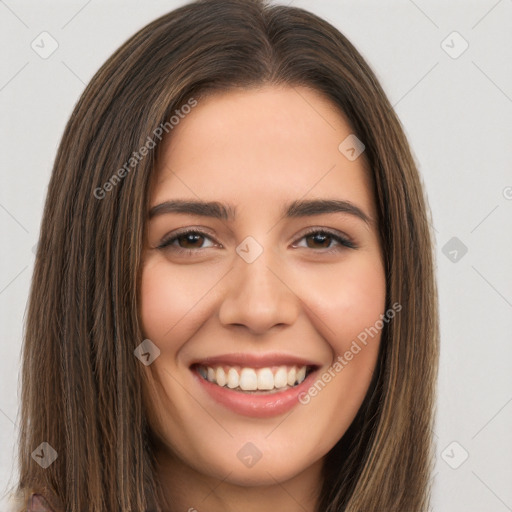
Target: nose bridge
column 257, row 295
column 255, row 279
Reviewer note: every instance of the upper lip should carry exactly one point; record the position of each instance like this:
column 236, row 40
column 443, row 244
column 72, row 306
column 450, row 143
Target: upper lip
column 254, row 360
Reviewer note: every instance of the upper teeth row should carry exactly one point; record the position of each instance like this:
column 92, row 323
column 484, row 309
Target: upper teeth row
column 251, row 379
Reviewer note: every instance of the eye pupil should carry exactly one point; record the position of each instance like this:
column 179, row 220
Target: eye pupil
column 320, row 239
column 192, row 238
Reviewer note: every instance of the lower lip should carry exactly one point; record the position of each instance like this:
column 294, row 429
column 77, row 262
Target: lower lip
column 256, row 406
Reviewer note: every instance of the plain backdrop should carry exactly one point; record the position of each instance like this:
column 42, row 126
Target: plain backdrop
column 455, row 104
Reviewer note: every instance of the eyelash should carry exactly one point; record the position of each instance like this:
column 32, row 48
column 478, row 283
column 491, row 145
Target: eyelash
column 343, row 241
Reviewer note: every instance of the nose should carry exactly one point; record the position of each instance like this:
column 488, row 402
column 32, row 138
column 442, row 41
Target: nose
column 259, row 296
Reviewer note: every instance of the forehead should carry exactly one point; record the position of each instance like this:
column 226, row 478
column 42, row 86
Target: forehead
column 272, row 143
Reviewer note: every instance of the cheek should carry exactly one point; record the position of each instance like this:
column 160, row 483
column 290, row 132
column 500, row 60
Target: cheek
column 156, row 297
column 171, row 301
column 347, row 300
column 347, row 304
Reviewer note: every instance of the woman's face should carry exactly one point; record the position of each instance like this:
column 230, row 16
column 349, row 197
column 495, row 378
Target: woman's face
column 270, row 287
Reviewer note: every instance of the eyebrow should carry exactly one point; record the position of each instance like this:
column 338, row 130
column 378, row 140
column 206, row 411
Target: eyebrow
column 299, row 208
column 193, row 207
column 320, row 206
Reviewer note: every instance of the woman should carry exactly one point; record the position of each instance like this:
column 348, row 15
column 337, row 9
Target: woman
column 233, row 304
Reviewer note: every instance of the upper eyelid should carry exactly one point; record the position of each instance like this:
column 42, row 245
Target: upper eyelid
column 175, row 235
column 204, row 232
column 316, row 229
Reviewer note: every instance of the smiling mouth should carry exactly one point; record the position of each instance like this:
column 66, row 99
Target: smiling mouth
column 267, row 380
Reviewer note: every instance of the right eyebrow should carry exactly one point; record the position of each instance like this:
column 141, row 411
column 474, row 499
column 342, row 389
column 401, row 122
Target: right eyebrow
column 204, row 208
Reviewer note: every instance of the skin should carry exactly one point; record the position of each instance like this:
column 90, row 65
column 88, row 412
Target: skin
column 257, row 150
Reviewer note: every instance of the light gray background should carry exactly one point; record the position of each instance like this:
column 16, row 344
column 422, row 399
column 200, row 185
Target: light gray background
column 457, row 113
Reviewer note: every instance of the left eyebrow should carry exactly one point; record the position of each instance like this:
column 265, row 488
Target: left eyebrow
column 322, row 206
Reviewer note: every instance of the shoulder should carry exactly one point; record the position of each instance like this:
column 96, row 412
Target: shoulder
column 39, row 500
column 38, row 504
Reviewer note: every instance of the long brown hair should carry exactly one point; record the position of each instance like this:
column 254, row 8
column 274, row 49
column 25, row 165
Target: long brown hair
column 82, row 387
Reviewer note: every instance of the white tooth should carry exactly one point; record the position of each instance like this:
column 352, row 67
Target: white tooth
column 233, row 378
column 265, row 379
column 220, row 376
column 281, row 377
column 301, row 374
column 248, row 379
column 211, row 374
column 292, row 376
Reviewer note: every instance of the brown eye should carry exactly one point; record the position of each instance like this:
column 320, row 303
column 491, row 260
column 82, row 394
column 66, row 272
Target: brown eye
column 319, row 241
column 187, row 241
column 190, row 241
column 323, row 239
